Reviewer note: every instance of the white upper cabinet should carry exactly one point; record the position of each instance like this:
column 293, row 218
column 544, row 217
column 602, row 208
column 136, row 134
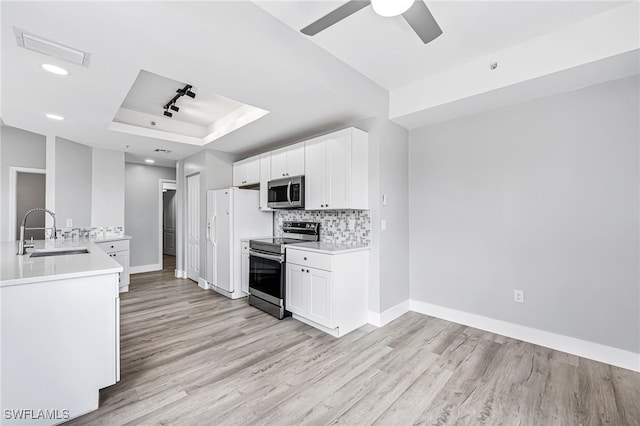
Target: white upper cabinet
column 288, row 161
column 247, row 171
column 265, row 175
column 337, row 171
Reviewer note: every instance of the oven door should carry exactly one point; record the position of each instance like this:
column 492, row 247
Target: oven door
column 266, row 277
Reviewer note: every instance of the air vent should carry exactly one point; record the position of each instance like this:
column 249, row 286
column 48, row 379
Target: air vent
column 164, row 151
column 51, row 48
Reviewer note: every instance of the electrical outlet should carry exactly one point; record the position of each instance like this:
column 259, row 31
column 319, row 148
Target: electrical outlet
column 69, row 223
column 352, row 224
column 518, row 296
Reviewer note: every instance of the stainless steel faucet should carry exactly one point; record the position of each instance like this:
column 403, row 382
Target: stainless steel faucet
column 22, row 247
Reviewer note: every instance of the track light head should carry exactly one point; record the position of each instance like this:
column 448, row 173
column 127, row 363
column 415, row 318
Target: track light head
column 174, row 108
column 190, row 94
column 168, row 114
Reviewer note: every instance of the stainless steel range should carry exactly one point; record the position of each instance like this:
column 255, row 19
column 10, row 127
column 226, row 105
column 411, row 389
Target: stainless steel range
column 267, row 277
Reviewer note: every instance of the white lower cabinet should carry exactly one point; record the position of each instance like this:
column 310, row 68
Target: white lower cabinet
column 328, row 291
column 119, row 251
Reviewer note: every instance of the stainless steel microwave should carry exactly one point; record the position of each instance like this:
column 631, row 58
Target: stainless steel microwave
column 286, row 193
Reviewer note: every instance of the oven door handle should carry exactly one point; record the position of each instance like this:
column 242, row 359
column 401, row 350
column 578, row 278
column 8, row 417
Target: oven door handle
column 266, row 256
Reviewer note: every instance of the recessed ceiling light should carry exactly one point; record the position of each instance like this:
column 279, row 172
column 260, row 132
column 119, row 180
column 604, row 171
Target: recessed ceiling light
column 149, row 160
column 55, row 69
column 55, row 117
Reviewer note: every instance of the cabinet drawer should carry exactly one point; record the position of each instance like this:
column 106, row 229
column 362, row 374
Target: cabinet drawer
column 113, row 246
column 310, row 259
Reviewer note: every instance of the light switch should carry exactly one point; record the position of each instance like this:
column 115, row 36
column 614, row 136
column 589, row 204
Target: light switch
column 383, row 225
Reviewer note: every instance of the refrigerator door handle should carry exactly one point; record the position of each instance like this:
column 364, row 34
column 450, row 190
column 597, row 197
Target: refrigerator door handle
column 213, row 230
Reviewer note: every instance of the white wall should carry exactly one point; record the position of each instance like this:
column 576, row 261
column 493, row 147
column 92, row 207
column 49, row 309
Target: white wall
column 107, row 188
column 73, row 164
column 141, row 218
column 18, row 148
column 542, row 196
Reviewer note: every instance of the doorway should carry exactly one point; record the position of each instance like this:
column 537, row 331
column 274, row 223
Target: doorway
column 27, row 191
column 168, row 219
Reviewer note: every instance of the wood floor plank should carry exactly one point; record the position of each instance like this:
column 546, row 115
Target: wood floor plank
column 193, row 357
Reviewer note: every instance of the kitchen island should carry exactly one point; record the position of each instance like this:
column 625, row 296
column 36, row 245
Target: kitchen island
column 59, row 320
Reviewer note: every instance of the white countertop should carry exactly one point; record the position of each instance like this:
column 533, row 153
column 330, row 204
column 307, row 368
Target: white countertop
column 110, row 238
column 17, row 270
column 329, row 248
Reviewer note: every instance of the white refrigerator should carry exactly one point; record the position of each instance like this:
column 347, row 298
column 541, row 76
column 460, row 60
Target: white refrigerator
column 232, row 215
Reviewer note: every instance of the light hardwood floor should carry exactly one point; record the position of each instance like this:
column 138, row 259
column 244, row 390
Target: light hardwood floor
column 190, row 356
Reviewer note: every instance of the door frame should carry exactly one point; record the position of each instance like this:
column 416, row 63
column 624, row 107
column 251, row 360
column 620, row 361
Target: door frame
column 199, row 280
column 13, row 194
column 163, row 184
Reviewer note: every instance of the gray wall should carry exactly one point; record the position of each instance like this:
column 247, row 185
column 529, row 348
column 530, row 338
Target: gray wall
column 542, row 196
column 388, row 174
column 107, row 188
column 73, row 183
column 141, row 218
column 18, row 148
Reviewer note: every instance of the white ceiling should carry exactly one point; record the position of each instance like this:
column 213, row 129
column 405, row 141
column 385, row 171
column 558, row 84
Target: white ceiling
column 251, row 53
column 388, row 51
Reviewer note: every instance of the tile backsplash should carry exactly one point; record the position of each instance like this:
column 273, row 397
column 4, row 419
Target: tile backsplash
column 86, row 233
column 334, row 224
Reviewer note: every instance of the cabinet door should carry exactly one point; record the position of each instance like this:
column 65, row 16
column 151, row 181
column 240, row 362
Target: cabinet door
column 278, row 163
column 239, row 173
column 320, row 308
column 122, row 257
column 338, row 172
column 265, row 175
column 295, row 160
column 314, row 175
column 252, row 170
column 295, row 290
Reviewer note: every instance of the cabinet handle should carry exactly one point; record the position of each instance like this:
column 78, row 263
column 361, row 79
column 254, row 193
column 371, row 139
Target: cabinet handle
column 302, row 269
column 321, row 205
column 283, row 174
column 307, row 271
column 305, row 258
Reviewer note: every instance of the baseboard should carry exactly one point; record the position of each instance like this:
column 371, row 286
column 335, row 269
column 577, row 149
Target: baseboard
column 180, row 274
column 202, row 283
column 145, row 268
column 582, row 348
column 384, row 318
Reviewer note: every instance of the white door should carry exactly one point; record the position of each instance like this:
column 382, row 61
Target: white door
column 193, row 227
column 295, row 294
column 338, row 173
column 315, row 166
column 223, row 239
column 319, row 297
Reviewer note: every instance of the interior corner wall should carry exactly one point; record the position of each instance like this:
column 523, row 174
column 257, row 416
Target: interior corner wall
column 107, row 188
column 541, row 196
column 18, row 148
column 73, row 164
column 388, row 174
column 141, row 218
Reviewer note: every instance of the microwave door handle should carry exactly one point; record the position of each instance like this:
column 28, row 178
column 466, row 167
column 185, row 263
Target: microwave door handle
column 289, row 193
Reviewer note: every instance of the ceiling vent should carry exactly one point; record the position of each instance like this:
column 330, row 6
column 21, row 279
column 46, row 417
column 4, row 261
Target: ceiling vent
column 51, row 48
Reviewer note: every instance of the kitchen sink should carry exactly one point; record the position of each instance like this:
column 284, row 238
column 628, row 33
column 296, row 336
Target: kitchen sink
column 59, row 252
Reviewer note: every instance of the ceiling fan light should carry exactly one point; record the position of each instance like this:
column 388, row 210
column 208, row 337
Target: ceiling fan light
column 390, row 8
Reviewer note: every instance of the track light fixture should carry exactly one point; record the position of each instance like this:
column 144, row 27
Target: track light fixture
column 186, row 90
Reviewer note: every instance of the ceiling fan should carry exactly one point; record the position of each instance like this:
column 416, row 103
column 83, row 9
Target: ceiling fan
column 415, row 13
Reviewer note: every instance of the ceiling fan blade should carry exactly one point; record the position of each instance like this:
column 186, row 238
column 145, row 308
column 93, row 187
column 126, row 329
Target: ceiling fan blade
column 422, row 22
column 337, row 15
